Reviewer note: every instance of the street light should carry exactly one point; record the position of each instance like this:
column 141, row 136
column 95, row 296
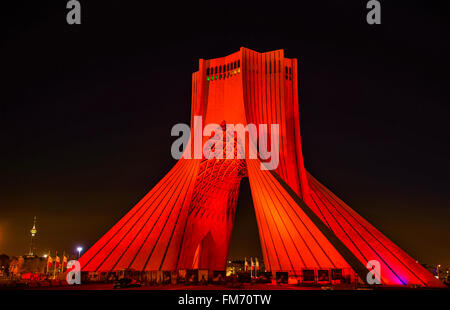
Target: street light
column 437, row 271
column 79, row 249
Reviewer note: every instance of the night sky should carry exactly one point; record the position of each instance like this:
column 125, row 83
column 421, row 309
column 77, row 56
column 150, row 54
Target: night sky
column 86, row 111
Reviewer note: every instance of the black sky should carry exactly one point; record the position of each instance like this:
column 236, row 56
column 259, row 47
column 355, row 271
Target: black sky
column 86, row 110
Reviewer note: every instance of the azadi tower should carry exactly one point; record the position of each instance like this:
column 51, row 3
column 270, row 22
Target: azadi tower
column 186, row 220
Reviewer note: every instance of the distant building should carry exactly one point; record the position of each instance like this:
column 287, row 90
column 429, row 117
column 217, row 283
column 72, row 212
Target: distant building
column 4, row 265
column 235, row 266
column 18, row 266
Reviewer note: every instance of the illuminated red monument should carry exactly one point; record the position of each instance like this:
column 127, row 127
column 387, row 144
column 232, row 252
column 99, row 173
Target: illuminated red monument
column 185, row 221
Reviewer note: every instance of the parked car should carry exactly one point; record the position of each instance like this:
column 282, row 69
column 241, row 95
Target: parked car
column 126, row 282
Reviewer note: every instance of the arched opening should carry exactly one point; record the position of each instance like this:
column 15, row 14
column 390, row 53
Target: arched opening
column 245, row 241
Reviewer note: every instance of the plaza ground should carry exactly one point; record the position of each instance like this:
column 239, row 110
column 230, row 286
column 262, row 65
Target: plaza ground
column 245, row 286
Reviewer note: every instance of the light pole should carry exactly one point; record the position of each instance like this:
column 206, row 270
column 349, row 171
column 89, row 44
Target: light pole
column 79, row 249
column 437, row 271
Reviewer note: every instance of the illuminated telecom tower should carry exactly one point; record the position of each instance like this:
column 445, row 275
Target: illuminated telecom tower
column 33, row 232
